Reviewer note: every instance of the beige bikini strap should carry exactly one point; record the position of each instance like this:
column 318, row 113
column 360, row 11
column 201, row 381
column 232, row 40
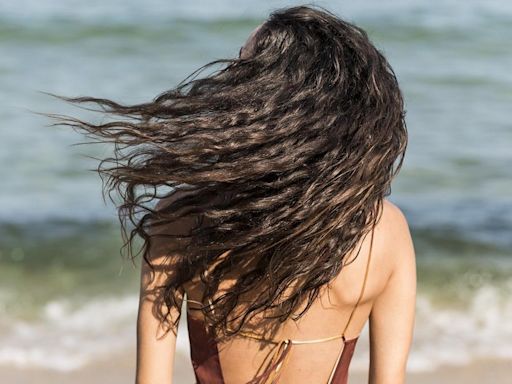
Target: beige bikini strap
column 363, row 286
column 273, row 368
column 251, row 335
column 210, row 303
column 195, row 302
column 340, row 353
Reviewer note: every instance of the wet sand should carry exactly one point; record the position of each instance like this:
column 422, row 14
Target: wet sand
column 119, row 369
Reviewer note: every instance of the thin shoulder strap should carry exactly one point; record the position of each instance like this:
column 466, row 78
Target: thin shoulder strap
column 362, row 287
column 210, row 302
column 335, row 366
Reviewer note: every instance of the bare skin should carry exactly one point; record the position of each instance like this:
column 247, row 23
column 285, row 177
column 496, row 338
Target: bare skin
column 388, row 303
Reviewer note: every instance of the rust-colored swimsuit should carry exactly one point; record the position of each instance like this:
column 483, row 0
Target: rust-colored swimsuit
column 205, row 354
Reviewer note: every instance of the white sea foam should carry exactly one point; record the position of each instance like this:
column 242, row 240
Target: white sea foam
column 66, row 338
column 456, row 336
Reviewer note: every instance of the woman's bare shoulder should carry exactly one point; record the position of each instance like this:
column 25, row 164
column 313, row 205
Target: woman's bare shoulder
column 393, row 241
column 395, row 232
column 392, row 214
column 393, row 310
column 386, row 252
column 391, row 246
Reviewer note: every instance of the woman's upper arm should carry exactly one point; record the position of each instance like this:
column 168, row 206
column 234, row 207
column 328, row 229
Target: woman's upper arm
column 155, row 351
column 155, row 347
column 393, row 312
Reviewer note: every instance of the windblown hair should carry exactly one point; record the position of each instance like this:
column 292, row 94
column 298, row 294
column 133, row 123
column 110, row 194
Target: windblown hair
column 303, row 134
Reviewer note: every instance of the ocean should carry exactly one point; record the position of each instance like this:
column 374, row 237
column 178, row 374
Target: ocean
column 66, row 296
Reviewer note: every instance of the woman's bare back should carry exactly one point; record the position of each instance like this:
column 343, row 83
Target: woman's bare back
column 342, row 307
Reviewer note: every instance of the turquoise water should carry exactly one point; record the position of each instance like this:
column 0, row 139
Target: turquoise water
column 59, row 242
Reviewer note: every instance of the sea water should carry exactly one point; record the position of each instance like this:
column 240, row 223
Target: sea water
column 67, row 297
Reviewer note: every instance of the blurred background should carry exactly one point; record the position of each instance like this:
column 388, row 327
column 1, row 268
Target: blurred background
column 68, row 301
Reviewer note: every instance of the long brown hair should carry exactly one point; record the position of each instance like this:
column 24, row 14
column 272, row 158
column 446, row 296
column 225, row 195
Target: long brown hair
column 304, row 133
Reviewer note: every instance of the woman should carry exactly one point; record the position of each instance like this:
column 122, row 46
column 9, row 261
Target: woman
column 275, row 231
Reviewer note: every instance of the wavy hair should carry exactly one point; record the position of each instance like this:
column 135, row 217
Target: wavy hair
column 301, row 136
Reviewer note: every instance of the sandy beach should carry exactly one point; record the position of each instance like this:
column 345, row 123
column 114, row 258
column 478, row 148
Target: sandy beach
column 119, row 369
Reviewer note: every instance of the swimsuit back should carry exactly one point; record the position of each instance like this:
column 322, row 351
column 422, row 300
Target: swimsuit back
column 207, row 365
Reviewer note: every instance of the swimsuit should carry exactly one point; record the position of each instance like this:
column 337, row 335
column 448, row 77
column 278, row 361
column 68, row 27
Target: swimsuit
column 205, row 354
